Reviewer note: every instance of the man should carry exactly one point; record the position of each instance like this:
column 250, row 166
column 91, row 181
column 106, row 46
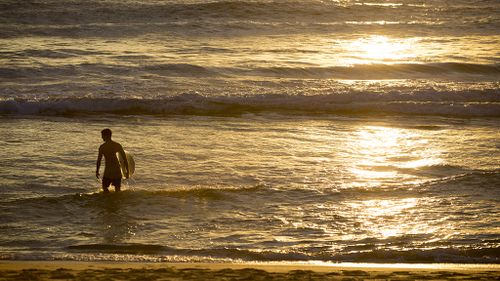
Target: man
column 112, row 171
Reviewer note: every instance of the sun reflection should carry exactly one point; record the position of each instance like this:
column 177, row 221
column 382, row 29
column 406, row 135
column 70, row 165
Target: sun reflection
column 378, row 208
column 420, row 163
column 378, row 48
column 385, row 156
column 386, row 218
column 376, row 139
column 373, row 174
column 373, row 146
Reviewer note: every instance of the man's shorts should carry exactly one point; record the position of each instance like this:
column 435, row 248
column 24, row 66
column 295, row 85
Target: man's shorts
column 107, row 181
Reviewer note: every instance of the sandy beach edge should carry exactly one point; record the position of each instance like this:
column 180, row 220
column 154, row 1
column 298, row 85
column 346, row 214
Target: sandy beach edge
column 267, row 266
column 81, row 270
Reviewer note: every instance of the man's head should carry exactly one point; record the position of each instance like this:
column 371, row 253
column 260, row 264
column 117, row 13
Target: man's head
column 106, row 134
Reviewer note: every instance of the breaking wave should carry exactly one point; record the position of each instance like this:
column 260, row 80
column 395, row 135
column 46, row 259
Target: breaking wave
column 455, row 103
column 360, row 71
column 154, row 252
column 487, row 255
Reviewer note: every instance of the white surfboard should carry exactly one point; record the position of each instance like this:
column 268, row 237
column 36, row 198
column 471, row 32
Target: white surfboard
column 131, row 164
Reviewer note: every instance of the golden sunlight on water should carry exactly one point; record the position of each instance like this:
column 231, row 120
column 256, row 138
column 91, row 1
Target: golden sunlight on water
column 386, row 218
column 388, row 157
column 375, row 49
column 380, row 153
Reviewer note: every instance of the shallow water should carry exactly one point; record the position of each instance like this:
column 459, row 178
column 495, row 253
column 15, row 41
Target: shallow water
column 254, row 188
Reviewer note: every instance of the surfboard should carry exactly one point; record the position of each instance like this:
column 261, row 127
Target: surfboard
column 131, row 164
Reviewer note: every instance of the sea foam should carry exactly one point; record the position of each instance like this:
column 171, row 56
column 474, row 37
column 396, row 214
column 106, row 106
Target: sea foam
column 463, row 103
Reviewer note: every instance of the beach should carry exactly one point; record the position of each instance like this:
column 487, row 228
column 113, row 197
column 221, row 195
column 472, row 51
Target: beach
column 67, row 270
column 302, row 139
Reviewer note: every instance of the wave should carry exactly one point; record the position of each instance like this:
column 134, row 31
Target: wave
column 447, row 103
column 441, row 255
column 361, row 71
column 240, row 27
column 438, row 170
column 158, row 253
column 98, row 198
column 485, row 183
column 446, row 179
column 381, row 71
column 110, row 17
column 70, row 12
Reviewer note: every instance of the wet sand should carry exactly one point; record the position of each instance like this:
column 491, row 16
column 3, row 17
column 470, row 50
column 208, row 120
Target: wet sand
column 67, row 270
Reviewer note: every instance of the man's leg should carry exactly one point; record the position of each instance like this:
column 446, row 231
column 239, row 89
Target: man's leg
column 105, row 184
column 117, row 183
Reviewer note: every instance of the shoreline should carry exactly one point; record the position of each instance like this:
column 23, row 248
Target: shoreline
column 269, row 266
column 84, row 270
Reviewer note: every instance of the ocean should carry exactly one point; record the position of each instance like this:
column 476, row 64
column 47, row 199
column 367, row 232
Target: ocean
column 262, row 130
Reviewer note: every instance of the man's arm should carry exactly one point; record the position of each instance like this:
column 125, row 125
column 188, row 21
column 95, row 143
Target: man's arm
column 98, row 164
column 124, row 157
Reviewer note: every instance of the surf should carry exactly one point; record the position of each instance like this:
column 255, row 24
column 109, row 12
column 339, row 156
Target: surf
column 446, row 103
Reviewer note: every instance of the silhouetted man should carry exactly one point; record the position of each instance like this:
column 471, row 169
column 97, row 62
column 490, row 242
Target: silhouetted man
column 112, row 171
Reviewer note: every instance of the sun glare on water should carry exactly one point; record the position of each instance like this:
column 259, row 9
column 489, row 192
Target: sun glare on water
column 381, row 153
column 387, row 218
column 376, row 49
column 387, row 156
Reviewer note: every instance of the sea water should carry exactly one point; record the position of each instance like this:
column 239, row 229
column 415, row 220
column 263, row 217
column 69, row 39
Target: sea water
column 353, row 131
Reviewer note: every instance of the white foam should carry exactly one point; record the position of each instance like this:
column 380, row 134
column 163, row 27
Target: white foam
column 479, row 103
